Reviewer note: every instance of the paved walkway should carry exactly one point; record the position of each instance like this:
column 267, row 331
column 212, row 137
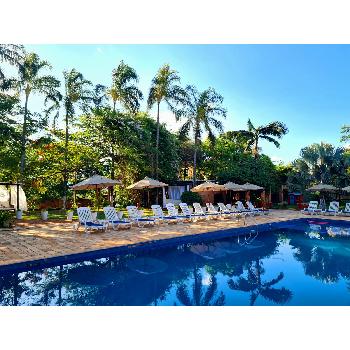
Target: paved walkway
column 38, row 240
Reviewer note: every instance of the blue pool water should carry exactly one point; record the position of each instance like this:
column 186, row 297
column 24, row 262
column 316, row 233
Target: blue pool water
column 303, row 264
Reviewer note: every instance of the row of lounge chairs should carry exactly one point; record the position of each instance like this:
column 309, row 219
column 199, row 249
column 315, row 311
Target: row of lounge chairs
column 173, row 216
column 333, row 209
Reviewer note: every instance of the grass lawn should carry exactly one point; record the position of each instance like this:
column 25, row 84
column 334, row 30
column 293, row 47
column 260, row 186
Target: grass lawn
column 60, row 214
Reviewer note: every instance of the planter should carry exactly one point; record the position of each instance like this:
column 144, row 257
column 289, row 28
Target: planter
column 7, row 224
column 94, row 215
column 19, row 214
column 44, row 215
column 70, row 215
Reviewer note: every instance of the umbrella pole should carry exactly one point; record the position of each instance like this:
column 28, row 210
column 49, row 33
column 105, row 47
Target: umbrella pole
column 96, row 197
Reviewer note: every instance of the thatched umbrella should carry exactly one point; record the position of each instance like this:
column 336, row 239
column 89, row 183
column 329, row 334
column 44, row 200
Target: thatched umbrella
column 148, row 183
column 208, row 187
column 95, row 182
column 322, row 188
column 251, row 187
column 234, row 187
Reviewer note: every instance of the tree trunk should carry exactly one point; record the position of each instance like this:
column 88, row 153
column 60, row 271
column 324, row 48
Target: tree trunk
column 111, row 189
column 157, row 142
column 256, row 150
column 114, row 102
column 24, row 137
column 195, row 162
column 65, row 173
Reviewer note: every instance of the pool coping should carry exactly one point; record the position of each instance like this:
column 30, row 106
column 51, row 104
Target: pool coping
column 154, row 244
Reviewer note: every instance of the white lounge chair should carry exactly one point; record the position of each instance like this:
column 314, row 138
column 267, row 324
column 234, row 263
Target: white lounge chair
column 312, row 208
column 333, row 209
column 254, row 209
column 186, row 211
column 86, row 220
column 346, row 211
column 243, row 209
column 113, row 219
column 199, row 210
column 211, row 209
column 226, row 212
column 158, row 214
column 136, row 217
column 172, row 211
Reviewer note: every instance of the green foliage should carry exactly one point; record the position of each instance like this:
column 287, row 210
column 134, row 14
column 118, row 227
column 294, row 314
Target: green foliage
column 124, row 143
column 224, row 161
column 268, row 132
column 200, row 111
column 191, row 197
column 319, row 163
column 124, row 89
column 6, row 218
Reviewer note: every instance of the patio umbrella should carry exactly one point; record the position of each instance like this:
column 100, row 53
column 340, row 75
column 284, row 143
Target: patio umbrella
column 208, row 187
column 148, row 183
column 234, row 187
column 251, row 187
column 95, row 182
column 347, row 188
column 322, row 188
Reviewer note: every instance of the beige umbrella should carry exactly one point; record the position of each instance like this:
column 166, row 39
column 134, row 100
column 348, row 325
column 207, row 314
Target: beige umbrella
column 234, row 187
column 96, row 182
column 251, row 187
column 322, row 188
column 148, row 183
column 208, row 187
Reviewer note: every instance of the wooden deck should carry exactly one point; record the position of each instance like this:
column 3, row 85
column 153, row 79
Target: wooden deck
column 41, row 240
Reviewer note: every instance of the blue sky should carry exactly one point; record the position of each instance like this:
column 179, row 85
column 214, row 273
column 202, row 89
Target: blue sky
column 305, row 86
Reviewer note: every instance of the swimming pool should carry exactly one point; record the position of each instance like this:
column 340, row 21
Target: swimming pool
column 304, row 262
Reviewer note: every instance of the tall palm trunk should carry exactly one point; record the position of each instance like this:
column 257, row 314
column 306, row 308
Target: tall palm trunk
column 256, row 148
column 114, row 103
column 195, row 162
column 65, row 173
column 157, row 142
column 24, row 137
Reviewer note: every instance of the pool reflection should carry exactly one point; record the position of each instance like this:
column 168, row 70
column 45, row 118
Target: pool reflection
column 247, row 270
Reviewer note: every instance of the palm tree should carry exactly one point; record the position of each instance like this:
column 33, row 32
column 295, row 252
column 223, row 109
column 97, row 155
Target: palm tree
column 198, row 298
column 12, row 54
column 75, row 91
column 165, row 88
column 254, row 284
column 267, row 132
column 31, row 80
column 201, row 110
column 123, row 89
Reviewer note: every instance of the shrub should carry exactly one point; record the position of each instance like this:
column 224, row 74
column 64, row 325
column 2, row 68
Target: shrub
column 6, row 218
column 191, row 197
